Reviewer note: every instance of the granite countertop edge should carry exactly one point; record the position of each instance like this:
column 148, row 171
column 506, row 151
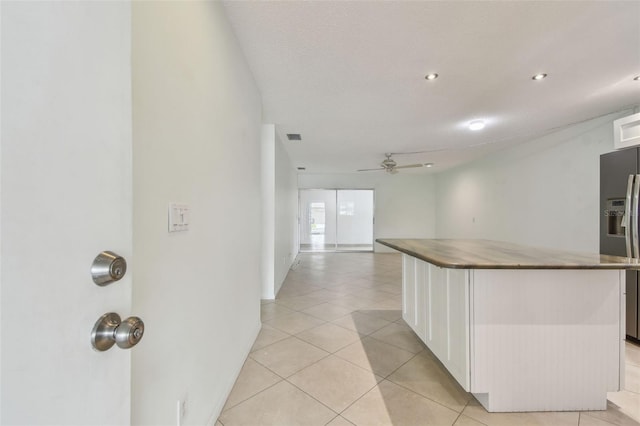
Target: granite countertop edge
column 489, row 254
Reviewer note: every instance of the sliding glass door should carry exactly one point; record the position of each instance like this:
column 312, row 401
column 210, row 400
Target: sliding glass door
column 354, row 221
column 336, row 220
column 317, row 220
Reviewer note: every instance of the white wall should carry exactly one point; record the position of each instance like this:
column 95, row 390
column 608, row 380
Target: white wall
column 286, row 214
column 268, row 198
column 279, row 207
column 404, row 203
column 197, row 123
column 542, row 193
column 66, row 196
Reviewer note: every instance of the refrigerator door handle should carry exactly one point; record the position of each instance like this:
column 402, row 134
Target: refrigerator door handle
column 634, row 217
column 626, row 220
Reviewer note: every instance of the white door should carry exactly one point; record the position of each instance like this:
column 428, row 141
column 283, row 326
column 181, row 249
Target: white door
column 66, row 196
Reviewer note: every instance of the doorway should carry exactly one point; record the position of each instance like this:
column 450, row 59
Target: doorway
column 336, row 220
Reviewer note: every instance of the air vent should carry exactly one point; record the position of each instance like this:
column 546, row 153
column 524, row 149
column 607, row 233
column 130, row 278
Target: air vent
column 302, row 169
column 294, row 136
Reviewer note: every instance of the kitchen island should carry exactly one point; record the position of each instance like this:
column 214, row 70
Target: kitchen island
column 523, row 329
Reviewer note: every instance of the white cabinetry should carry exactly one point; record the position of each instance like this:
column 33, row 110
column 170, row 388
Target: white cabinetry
column 626, row 131
column 518, row 339
column 436, row 307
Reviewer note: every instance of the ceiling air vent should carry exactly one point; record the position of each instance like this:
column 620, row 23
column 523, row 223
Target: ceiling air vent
column 294, row 136
column 302, row 169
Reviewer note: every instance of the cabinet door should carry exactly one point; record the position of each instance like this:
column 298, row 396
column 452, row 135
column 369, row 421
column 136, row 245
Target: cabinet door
column 409, row 290
column 447, row 319
column 421, row 281
column 626, row 131
column 437, row 312
column 458, row 326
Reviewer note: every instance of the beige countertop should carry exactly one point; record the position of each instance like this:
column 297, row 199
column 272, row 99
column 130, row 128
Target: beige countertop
column 487, row 254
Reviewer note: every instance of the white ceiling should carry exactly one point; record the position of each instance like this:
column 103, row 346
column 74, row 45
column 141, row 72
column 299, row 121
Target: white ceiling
column 349, row 76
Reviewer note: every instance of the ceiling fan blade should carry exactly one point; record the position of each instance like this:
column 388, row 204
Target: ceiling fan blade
column 370, row 170
column 408, row 166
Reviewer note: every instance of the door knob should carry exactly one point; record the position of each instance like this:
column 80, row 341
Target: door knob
column 110, row 330
column 108, row 267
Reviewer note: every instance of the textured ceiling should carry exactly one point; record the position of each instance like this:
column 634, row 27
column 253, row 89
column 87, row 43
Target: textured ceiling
column 349, row 76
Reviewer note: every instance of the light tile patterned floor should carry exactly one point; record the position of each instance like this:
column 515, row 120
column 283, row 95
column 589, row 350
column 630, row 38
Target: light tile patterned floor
column 335, row 351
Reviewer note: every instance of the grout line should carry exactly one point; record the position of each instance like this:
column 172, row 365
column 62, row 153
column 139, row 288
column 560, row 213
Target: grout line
column 399, row 347
column 361, row 396
column 402, row 365
column 256, row 394
column 424, row 396
column 270, row 344
column 580, row 413
column 312, row 397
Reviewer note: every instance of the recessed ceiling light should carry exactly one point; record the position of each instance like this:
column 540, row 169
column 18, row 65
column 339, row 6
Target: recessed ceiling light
column 540, row 76
column 636, row 78
column 428, row 164
column 476, row 125
column 431, row 76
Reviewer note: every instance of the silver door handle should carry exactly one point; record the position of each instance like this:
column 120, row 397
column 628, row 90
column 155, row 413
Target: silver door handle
column 109, row 330
column 634, row 217
column 627, row 216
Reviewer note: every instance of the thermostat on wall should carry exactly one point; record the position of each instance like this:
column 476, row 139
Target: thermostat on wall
column 178, row 217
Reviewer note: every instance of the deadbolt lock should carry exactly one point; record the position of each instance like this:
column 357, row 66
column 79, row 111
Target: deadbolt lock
column 109, row 330
column 108, row 267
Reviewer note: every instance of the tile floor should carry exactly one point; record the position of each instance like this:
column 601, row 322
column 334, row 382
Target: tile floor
column 334, row 350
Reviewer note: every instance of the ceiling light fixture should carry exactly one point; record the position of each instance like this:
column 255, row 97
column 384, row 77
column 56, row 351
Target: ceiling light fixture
column 428, row 164
column 540, row 76
column 476, row 125
column 431, row 76
column 637, row 78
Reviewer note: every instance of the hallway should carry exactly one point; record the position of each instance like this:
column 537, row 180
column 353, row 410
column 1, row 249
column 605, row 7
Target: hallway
column 334, row 350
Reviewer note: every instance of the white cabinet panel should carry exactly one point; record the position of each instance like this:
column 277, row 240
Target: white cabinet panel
column 436, row 307
column 458, row 325
column 626, row 131
column 437, row 312
column 420, row 328
column 409, row 290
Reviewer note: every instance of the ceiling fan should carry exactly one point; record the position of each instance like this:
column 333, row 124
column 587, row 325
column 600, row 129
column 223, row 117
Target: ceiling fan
column 389, row 165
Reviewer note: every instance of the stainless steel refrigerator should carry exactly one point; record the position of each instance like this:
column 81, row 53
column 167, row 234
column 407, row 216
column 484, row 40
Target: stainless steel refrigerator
column 619, row 202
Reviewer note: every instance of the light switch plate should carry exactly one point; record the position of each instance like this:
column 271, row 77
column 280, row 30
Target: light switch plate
column 178, row 217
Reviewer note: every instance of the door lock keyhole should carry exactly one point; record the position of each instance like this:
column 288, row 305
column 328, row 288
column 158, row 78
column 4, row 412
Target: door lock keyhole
column 109, row 330
column 108, row 267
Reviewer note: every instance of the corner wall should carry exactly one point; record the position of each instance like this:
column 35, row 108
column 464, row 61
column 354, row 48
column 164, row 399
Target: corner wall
column 404, row 203
column 196, row 137
column 543, row 193
column 279, row 208
column 286, row 244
